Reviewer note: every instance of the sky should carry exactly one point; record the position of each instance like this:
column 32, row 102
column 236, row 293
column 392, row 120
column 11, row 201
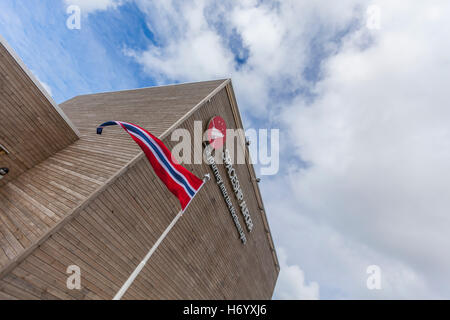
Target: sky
column 358, row 89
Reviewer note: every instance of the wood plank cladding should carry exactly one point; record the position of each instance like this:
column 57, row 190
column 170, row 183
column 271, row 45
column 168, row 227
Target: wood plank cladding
column 31, row 127
column 154, row 109
column 43, row 196
column 109, row 233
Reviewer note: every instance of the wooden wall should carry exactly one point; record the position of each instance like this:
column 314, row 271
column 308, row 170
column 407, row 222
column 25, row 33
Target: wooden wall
column 43, row 196
column 202, row 257
column 31, row 127
column 155, row 108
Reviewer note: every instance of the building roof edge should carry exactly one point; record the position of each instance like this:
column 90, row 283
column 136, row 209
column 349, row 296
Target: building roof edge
column 38, row 84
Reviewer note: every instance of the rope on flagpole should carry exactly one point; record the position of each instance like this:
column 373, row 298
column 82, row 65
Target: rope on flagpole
column 141, row 265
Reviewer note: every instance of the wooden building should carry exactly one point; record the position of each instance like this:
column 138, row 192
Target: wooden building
column 72, row 197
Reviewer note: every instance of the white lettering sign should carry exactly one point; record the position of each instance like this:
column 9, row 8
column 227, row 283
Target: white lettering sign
column 237, row 189
column 211, row 161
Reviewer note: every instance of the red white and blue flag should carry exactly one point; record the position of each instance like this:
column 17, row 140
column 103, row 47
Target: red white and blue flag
column 180, row 181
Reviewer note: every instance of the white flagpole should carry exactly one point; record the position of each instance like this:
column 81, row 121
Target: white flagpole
column 141, row 265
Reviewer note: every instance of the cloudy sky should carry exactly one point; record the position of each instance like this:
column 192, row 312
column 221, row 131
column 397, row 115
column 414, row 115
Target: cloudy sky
column 362, row 109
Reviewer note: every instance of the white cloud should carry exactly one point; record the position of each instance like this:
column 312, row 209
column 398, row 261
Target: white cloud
column 193, row 43
column 187, row 56
column 44, row 85
column 194, row 51
column 89, row 6
column 332, row 257
column 374, row 134
column 291, row 282
column 378, row 142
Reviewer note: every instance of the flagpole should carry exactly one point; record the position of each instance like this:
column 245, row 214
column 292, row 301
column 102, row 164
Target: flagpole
column 141, row 265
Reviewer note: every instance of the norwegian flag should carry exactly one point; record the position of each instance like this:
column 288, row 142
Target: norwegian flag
column 180, row 181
